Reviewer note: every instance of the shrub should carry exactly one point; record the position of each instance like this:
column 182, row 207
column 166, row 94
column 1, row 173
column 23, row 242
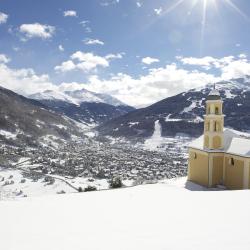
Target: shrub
column 90, row 188
column 61, row 192
column 116, row 182
column 80, row 189
column 23, row 181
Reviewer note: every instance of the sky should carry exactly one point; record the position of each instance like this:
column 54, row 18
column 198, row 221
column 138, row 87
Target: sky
column 140, row 51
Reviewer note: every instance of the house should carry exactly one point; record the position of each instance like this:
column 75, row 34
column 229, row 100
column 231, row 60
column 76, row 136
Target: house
column 219, row 156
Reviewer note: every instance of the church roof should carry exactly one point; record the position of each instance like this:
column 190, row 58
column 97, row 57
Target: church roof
column 214, row 95
column 234, row 143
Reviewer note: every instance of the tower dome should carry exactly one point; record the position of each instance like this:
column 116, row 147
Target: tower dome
column 214, row 95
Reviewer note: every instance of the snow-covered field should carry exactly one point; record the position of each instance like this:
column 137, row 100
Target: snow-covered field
column 13, row 184
column 160, row 216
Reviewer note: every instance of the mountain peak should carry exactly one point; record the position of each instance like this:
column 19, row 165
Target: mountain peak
column 77, row 97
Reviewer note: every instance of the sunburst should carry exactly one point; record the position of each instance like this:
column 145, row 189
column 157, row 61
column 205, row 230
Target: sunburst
column 207, row 5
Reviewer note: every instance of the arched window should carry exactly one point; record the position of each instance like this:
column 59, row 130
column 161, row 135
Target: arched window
column 216, row 110
column 215, row 126
column 195, row 156
column 231, row 161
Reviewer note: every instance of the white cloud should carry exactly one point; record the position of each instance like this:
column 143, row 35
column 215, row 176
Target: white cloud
column 86, row 62
column 149, row 60
column 85, row 25
column 158, row 84
column 229, row 66
column 139, row 4
column 4, row 59
column 89, row 41
column 109, row 2
column 3, row 17
column 114, row 56
column 61, row 48
column 70, row 13
column 236, row 69
column 158, row 11
column 66, row 66
column 83, row 61
column 23, row 81
column 207, row 62
column 37, row 30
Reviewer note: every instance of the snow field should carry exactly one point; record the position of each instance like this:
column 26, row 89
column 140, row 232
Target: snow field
column 159, row 216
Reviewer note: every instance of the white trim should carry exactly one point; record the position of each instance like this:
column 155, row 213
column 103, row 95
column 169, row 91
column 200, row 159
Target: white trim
column 246, row 175
column 214, row 101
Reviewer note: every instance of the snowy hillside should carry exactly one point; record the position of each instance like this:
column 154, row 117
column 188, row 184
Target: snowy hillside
column 172, row 215
column 77, row 97
column 24, row 121
column 53, row 95
column 83, row 106
column 184, row 112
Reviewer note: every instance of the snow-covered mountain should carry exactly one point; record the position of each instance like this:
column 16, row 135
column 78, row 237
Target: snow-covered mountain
column 83, row 105
column 184, row 112
column 25, row 122
column 53, row 96
column 77, row 97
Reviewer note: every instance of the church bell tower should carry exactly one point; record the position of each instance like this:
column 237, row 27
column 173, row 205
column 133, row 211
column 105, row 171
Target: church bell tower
column 213, row 122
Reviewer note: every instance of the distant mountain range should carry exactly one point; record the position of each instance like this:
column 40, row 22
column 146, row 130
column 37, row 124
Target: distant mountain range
column 77, row 97
column 83, row 105
column 66, row 115
column 183, row 113
column 26, row 122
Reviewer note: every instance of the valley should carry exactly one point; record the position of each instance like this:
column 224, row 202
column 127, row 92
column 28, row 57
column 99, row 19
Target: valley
column 59, row 144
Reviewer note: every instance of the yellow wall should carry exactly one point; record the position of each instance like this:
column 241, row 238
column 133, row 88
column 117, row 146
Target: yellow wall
column 234, row 174
column 249, row 177
column 217, row 174
column 198, row 168
column 206, row 141
column 216, row 142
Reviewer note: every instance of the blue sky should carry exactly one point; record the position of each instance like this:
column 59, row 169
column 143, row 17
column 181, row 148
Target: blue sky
column 139, row 51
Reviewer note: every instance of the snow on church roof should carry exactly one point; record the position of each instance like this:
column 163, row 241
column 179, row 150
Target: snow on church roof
column 213, row 95
column 214, row 92
column 234, row 143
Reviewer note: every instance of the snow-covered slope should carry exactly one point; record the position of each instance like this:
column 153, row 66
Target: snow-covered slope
column 77, row 97
column 184, row 112
column 83, row 105
column 53, row 95
column 24, row 121
column 160, row 216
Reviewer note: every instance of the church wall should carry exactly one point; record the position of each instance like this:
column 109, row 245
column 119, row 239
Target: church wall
column 216, row 142
column 198, row 167
column 249, row 175
column 217, row 170
column 234, row 174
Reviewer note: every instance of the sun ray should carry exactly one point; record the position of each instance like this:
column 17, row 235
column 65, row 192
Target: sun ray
column 172, row 7
column 203, row 24
column 233, row 6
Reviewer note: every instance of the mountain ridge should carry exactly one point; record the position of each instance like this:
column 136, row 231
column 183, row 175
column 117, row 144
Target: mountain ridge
column 183, row 113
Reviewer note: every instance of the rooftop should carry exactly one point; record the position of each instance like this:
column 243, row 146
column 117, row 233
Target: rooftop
column 235, row 142
column 214, row 95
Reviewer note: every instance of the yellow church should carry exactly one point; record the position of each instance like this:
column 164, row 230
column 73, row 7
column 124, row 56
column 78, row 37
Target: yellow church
column 220, row 156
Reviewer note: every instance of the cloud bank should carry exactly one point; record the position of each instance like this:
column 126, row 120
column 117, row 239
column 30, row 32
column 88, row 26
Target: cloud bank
column 156, row 84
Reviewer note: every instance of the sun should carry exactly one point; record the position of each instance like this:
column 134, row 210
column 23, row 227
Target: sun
column 205, row 6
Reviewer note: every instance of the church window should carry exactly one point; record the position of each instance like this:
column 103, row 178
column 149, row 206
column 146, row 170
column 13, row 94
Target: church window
column 195, row 156
column 231, row 161
column 216, row 110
